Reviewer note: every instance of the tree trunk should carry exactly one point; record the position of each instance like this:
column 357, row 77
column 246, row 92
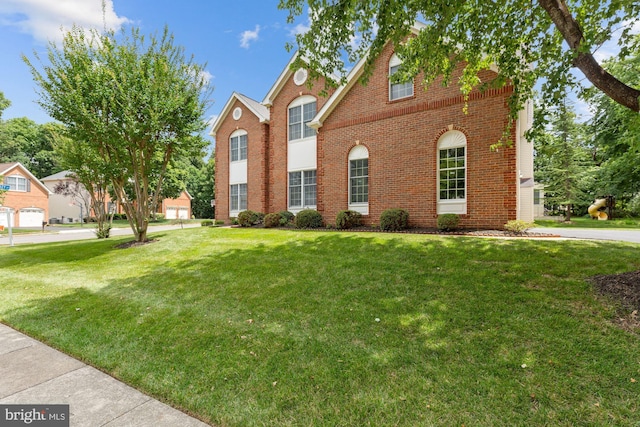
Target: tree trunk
column 584, row 61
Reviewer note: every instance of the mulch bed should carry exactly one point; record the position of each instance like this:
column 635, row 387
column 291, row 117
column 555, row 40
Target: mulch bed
column 625, row 288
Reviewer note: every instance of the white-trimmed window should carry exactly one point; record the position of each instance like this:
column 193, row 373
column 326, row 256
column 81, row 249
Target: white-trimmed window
column 301, row 112
column 238, row 145
column 359, row 179
column 452, row 173
column 238, row 197
column 17, row 183
column 302, row 189
column 398, row 90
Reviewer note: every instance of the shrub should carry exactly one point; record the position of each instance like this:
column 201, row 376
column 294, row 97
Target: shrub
column 250, row 218
column 348, row 219
column 219, row 222
column 394, row 220
column 206, row 223
column 308, row 218
column 286, row 218
column 448, row 222
column 103, row 233
column 272, row 220
column 119, row 216
column 234, row 221
column 518, row 226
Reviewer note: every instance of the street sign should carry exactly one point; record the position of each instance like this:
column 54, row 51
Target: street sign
column 5, row 187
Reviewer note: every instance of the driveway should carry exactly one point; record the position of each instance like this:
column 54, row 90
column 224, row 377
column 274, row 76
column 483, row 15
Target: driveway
column 627, row 235
column 62, row 234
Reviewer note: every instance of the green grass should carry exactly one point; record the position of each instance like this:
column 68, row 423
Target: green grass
column 582, row 222
column 247, row 327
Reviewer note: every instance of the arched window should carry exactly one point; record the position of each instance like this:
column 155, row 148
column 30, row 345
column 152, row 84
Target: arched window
column 359, row 179
column 301, row 112
column 452, row 173
column 238, row 145
column 398, row 90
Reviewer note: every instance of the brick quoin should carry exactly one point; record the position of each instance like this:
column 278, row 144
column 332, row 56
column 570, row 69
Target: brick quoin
column 401, row 137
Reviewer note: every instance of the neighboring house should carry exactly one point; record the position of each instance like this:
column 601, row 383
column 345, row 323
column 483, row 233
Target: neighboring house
column 66, row 209
column 178, row 208
column 374, row 147
column 27, row 198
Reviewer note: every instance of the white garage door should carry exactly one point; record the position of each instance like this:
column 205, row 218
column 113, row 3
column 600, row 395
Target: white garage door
column 172, row 213
column 183, row 213
column 3, row 217
column 31, row 217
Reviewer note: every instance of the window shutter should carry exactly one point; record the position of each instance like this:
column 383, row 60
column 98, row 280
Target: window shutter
column 28, row 186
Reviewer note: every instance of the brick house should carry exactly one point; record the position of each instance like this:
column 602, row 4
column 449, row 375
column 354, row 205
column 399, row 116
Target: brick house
column 374, row 147
column 27, row 198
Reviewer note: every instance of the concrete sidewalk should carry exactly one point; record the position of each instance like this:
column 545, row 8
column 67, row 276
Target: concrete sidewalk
column 33, row 373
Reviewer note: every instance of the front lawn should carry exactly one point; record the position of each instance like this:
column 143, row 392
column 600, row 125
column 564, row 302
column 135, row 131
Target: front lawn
column 254, row 327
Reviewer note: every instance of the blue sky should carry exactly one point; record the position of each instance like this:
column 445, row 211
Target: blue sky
column 242, row 41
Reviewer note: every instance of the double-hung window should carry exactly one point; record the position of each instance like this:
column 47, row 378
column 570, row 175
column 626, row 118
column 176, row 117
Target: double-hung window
column 17, row 183
column 302, row 189
column 398, row 90
column 238, row 147
column 452, row 173
column 238, row 197
column 299, row 116
column 359, row 179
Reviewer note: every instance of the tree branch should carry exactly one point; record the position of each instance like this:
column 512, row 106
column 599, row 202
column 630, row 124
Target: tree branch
column 584, row 61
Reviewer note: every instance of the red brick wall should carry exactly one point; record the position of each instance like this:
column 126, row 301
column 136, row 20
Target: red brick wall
column 278, row 138
column 257, row 161
column 37, row 197
column 402, row 136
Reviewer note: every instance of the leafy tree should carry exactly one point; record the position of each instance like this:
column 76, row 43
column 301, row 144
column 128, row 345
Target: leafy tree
column 616, row 133
column 563, row 162
column 4, row 104
column 133, row 103
column 90, row 171
column 524, row 39
column 23, row 140
column 200, row 184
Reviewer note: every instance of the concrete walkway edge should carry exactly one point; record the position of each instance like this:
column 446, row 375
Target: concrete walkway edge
column 36, row 374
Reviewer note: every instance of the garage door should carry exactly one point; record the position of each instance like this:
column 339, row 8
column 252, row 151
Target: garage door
column 30, row 217
column 172, row 213
column 183, row 213
column 3, row 217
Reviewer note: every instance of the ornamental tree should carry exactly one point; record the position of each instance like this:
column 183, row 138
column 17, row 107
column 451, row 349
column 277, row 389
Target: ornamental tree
column 132, row 102
column 525, row 40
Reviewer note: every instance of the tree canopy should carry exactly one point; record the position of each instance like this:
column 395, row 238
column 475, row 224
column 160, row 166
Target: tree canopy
column 131, row 104
column 527, row 41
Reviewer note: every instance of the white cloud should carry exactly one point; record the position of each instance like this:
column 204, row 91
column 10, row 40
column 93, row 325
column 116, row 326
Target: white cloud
column 247, row 37
column 45, row 20
column 302, row 28
column 610, row 48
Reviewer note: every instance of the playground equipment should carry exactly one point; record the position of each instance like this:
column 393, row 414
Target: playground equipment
column 607, row 202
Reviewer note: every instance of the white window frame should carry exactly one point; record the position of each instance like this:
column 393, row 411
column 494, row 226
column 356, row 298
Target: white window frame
column 359, row 152
column 304, row 189
column 17, row 183
column 452, row 140
column 308, row 109
column 239, row 206
column 394, row 64
column 240, row 151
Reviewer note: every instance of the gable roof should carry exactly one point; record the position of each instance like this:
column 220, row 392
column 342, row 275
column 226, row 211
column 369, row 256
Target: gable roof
column 352, row 78
column 5, row 167
column 58, row 176
column 259, row 110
